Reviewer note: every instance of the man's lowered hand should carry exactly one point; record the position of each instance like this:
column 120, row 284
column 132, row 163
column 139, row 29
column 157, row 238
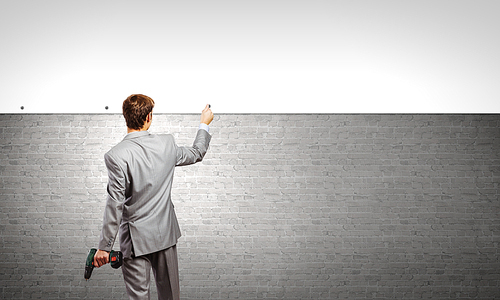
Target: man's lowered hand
column 101, row 258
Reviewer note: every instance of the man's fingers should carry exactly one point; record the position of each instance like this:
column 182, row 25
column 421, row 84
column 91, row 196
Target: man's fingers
column 100, row 262
column 101, row 258
column 207, row 107
column 96, row 263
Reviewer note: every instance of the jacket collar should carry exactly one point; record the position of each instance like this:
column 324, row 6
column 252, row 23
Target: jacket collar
column 136, row 134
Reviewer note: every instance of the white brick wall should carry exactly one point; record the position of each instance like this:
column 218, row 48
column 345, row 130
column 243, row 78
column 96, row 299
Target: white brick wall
column 282, row 207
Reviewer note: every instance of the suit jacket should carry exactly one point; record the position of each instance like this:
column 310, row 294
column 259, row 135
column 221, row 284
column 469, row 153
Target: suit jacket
column 140, row 174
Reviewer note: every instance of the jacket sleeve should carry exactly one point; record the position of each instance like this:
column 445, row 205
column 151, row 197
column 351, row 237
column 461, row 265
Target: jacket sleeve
column 114, row 203
column 194, row 154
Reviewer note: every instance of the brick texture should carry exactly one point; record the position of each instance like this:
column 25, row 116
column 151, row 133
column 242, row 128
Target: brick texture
column 282, row 207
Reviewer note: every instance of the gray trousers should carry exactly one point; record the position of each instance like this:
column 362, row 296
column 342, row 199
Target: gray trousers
column 136, row 273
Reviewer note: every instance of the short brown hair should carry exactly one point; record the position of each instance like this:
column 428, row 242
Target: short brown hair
column 135, row 110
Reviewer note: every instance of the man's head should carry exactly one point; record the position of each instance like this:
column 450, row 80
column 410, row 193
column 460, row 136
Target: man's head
column 136, row 110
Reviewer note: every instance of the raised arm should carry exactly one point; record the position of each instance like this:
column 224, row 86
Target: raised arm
column 195, row 153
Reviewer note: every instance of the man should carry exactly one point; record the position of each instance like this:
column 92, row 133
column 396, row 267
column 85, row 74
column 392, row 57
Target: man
column 140, row 173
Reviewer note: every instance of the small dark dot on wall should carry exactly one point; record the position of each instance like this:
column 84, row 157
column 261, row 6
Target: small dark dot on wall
column 22, row 107
column 106, row 107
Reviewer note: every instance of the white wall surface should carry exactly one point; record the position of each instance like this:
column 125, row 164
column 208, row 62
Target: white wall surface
column 251, row 56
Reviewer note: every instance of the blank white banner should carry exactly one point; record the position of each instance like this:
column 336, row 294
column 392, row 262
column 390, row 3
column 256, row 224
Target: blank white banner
column 251, row 56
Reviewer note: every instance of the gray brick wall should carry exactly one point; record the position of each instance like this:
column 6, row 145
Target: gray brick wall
column 282, row 207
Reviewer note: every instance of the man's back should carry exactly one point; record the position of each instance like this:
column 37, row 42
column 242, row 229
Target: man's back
column 148, row 162
column 141, row 170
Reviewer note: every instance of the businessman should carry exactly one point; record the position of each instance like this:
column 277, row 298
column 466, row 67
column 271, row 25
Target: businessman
column 140, row 172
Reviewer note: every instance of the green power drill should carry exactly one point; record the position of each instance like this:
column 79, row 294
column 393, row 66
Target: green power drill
column 115, row 259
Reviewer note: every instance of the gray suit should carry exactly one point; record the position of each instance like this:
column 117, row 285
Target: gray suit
column 141, row 170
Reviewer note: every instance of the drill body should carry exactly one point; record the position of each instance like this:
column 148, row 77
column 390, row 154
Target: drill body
column 115, row 259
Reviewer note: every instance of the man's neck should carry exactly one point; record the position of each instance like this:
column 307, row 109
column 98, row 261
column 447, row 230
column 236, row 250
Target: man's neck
column 130, row 130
